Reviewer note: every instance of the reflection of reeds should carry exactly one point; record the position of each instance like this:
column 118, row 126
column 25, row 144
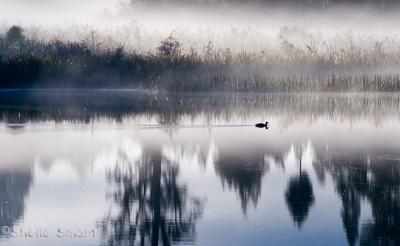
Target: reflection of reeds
column 166, row 109
column 29, row 62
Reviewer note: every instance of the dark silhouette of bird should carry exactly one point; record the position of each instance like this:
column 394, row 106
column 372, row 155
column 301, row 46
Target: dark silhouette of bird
column 262, row 125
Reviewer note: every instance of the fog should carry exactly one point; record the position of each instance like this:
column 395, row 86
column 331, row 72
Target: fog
column 237, row 26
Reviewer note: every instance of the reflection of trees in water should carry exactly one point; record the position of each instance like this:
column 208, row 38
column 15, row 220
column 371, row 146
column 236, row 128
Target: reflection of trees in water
column 349, row 177
column 299, row 198
column 243, row 172
column 87, row 106
column 152, row 198
column 14, row 187
column 357, row 177
column 376, row 180
column 153, row 206
column 299, row 195
column 384, row 195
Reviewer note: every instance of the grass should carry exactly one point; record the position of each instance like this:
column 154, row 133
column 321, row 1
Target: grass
column 27, row 62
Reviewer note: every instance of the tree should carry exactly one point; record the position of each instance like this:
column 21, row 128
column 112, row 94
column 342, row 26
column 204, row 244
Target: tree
column 170, row 47
column 15, row 34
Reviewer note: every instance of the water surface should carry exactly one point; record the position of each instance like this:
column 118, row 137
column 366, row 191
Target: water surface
column 125, row 167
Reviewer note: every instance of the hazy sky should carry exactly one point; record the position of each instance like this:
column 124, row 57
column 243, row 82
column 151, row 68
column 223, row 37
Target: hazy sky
column 242, row 26
column 51, row 11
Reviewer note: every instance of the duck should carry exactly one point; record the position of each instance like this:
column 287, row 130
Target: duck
column 262, row 125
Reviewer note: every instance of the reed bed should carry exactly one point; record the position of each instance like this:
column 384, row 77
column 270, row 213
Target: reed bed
column 28, row 62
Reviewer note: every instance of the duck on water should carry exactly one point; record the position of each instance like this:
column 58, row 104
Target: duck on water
column 262, row 125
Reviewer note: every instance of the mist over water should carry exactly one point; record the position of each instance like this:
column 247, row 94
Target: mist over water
column 184, row 168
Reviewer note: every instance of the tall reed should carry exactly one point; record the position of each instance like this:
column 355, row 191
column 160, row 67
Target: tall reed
column 28, row 62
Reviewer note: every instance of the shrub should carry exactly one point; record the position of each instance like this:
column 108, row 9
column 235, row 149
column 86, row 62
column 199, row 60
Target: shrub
column 15, row 34
column 170, row 47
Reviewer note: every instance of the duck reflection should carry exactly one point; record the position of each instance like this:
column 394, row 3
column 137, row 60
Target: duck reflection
column 154, row 207
column 299, row 196
column 14, row 187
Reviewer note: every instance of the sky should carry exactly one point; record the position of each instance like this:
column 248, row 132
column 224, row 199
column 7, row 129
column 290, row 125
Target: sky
column 241, row 26
column 49, row 11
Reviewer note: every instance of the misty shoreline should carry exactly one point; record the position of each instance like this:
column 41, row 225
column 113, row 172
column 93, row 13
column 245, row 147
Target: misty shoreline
column 57, row 64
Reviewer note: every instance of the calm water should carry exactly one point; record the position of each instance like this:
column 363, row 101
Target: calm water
column 129, row 167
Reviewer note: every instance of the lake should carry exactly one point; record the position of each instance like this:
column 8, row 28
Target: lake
column 130, row 167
